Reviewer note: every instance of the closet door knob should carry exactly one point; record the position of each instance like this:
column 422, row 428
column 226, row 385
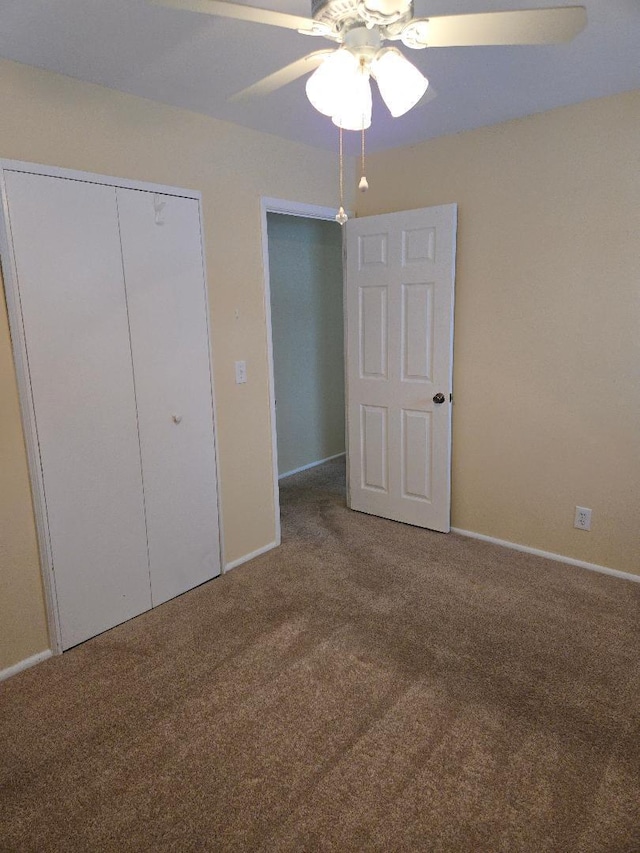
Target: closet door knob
column 176, row 418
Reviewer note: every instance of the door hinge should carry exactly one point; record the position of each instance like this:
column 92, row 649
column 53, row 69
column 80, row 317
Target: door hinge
column 451, row 398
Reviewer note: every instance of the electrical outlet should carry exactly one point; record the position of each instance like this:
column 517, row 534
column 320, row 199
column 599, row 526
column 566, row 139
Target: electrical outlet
column 241, row 372
column 582, row 519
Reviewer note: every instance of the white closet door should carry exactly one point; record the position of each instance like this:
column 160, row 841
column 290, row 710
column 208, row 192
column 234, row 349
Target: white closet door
column 162, row 255
column 69, row 268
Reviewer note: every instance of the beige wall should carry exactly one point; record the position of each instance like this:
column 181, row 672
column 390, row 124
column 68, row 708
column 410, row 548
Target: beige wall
column 23, row 627
column 305, row 279
column 50, row 119
column 547, row 337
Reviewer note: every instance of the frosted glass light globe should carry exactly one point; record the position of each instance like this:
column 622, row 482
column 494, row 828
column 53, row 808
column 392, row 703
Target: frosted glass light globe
column 354, row 111
column 324, row 87
column 401, row 84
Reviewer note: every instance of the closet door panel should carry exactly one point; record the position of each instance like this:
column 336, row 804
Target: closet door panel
column 69, row 268
column 162, row 255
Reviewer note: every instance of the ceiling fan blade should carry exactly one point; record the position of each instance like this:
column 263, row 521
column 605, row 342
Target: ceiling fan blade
column 240, row 12
column 525, row 26
column 285, row 75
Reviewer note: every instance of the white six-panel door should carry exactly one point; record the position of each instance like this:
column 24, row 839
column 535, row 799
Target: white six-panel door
column 400, row 270
column 162, row 256
column 69, row 268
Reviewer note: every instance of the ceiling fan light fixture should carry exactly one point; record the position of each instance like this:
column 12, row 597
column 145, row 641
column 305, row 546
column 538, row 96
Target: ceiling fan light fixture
column 401, row 84
column 324, row 87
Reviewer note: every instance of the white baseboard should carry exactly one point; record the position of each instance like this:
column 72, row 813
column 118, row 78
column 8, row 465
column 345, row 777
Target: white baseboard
column 310, row 465
column 559, row 558
column 24, row 664
column 234, row 563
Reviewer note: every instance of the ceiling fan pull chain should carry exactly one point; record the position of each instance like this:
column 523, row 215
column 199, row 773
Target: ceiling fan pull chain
column 341, row 216
column 363, row 186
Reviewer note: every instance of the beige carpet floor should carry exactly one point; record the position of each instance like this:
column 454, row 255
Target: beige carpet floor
column 367, row 686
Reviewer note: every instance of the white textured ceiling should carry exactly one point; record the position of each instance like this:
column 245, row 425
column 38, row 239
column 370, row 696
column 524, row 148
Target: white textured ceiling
column 197, row 61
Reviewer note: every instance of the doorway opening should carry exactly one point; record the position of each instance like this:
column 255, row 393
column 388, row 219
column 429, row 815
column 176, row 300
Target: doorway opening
column 305, row 321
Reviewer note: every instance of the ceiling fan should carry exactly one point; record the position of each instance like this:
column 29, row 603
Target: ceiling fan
column 339, row 86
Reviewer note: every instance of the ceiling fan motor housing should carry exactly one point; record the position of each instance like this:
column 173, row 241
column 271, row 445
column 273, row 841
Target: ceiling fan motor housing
column 342, row 14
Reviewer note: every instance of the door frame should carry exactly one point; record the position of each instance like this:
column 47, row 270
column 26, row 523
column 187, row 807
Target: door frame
column 302, row 211
column 21, row 363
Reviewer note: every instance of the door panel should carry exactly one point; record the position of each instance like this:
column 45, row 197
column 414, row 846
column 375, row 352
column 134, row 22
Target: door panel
column 163, row 265
column 373, row 332
column 417, row 441
column 374, row 447
column 417, row 332
column 372, row 250
column 69, row 268
column 399, row 296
